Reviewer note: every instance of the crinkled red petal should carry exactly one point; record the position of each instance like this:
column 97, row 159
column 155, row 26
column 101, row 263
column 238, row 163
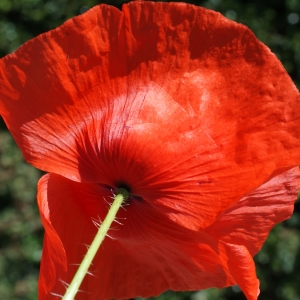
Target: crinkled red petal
column 189, row 108
column 249, row 221
column 242, row 269
column 147, row 253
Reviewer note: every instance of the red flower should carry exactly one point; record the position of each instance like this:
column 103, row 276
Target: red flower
column 185, row 109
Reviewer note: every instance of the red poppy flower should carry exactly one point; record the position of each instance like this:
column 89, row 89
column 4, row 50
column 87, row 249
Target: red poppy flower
column 185, row 109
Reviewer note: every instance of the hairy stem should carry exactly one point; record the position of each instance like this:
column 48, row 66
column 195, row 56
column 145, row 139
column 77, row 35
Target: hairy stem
column 121, row 196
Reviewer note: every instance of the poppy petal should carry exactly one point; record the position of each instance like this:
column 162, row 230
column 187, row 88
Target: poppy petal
column 249, row 221
column 78, row 102
column 68, row 226
column 242, row 268
column 47, row 77
column 146, row 246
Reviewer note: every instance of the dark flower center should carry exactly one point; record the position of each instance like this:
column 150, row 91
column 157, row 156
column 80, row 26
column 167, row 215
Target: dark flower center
column 127, row 187
column 123, row 185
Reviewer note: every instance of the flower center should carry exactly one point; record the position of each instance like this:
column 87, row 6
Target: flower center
column 127, row 187
column 123, row 185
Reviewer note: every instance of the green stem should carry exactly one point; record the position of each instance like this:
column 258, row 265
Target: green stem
column 121, row 196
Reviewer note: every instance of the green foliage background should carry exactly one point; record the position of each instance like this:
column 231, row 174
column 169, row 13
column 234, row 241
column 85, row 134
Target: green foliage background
column 275, row 22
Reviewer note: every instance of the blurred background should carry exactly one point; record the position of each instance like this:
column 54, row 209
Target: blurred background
column 275, row 22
